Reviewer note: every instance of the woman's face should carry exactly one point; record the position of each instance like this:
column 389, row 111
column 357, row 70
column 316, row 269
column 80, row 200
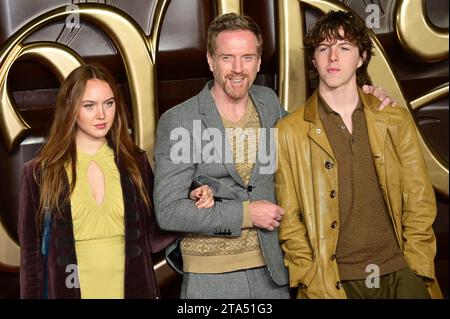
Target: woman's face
column 97, row 110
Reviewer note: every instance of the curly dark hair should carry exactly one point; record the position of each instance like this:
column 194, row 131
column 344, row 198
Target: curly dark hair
column 355, row 31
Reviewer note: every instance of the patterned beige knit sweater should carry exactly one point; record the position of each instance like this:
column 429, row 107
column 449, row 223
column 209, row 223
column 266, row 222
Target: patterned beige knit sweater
column 207, row 254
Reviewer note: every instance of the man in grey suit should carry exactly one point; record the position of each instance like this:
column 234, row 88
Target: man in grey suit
column 223, row 137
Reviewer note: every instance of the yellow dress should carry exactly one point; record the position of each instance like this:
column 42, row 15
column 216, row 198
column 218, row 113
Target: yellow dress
column 99, row 229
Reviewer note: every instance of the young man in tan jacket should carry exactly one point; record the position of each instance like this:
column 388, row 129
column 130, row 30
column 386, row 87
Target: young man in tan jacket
column 353, row 182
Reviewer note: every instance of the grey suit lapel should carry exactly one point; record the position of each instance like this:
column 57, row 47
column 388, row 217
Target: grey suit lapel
column 211, row 118
column 263, row 117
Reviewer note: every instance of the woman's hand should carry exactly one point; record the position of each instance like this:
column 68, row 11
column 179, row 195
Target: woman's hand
column 203, row 196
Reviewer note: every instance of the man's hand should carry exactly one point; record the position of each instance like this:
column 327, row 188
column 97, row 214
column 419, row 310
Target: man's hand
column 381, row 94
column 266, row 214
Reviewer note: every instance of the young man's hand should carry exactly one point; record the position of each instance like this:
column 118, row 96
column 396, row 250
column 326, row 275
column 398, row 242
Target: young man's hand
column 381, row 94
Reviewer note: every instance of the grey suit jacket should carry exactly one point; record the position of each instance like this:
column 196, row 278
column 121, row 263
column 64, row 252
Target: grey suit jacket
column 192, row 145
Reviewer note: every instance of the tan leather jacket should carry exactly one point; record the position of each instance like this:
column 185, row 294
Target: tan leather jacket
column 303, row 186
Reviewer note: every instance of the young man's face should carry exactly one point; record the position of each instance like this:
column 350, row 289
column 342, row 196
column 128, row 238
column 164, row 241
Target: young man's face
column 337, row 62
column 235, row 62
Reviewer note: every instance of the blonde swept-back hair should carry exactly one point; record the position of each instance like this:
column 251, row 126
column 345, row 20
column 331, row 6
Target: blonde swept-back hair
column 232, row 22
column 60, row 149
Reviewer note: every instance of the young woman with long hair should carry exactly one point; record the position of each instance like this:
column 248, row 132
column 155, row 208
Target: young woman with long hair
column 86, row 222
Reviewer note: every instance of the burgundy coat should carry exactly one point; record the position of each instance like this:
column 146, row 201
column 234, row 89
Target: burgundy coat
column 142, row 237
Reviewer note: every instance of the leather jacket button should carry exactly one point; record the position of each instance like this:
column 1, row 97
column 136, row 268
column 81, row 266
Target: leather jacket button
column 329, row 165
column 333, row 194
column 249, row 188
column 334, row 225
column 339, row 285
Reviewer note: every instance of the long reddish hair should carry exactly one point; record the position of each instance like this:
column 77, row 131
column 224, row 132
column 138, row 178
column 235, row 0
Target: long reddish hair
column 60, row 149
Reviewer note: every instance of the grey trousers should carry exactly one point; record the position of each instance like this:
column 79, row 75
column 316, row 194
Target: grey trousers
column 254, row 283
